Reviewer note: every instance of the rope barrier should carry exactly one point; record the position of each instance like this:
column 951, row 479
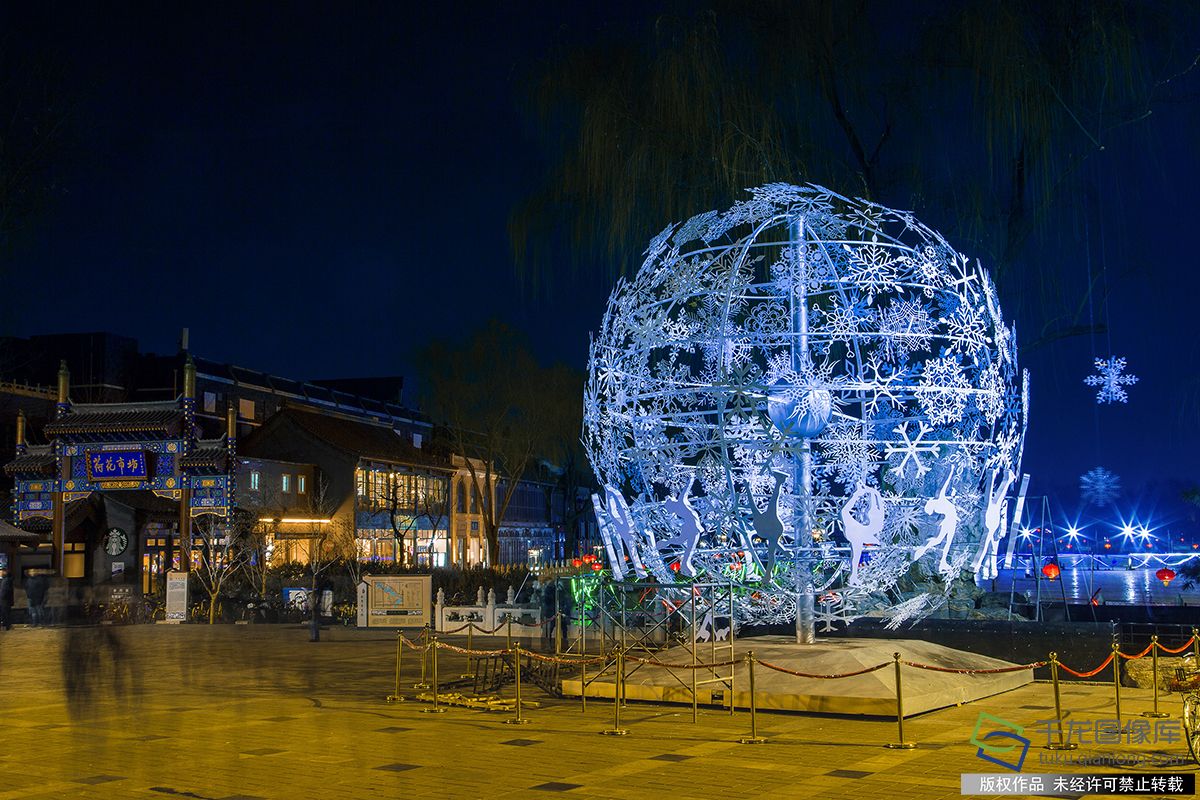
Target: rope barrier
column 993, row 671
column 1096, row 671
column 655, row 663
column 1149, row 647
column 565, row 659
column 1186, row 645
column 467, row 652
column 787, row 671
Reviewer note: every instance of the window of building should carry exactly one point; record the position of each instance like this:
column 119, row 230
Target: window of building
column 246, row 408
column 210, row 402
column 254, row 478
column 462, row 497
column 475, row 503
column 300, row 484
column 417, row 440
column 286, row 483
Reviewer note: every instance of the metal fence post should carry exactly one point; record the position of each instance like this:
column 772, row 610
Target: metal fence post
column 616, row 729
column 900, row 744
column 423, row 683
column 1062, row 743
column 753, row 738
column 395, row 696
column 1116, row 656
column 508, row 632
column 1196, row 647
column 434, row 668
column 518, row 719
column 1155, row 714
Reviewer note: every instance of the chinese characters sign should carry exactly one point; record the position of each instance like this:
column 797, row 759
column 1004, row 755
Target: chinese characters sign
column 111, row 465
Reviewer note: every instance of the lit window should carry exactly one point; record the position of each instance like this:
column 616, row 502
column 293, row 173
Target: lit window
column 286, row 483
column 246, row 408
column 254, row 480
column 417, row 440
column 300, row 484
column 210, row 402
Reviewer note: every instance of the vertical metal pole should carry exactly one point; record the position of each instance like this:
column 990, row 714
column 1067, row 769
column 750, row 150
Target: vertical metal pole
column 423, row 684
column 1156, row 714
column 732, row 651
column 434, row 666
column 508, row 633
column 1116, row 651
column 583, row 657
column 616, row 729
column 695, row 709
column 753, row 738
column 1062, row 743
column 900, row 744
column 1196, row 647
column 518, row 719
column 395, row 696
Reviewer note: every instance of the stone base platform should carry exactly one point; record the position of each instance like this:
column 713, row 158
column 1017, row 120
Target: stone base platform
column 870, row 694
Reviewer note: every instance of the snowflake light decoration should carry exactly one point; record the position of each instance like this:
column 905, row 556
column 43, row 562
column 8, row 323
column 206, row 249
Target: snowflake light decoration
column 1099, row 487
column 1111, row 381
column 793, row 396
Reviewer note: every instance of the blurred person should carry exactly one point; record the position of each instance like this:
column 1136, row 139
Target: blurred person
column 6, row 599
column 35, row 591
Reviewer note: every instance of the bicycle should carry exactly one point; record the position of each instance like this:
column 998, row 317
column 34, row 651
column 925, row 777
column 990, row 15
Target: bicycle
column 1188, row 679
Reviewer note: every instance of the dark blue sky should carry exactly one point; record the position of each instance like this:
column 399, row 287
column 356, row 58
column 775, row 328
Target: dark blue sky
column 316, row 190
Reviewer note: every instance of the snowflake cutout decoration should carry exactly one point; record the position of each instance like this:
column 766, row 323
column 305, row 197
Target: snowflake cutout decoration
column 1111, row 380
column 774, row 362
column 1099, row 487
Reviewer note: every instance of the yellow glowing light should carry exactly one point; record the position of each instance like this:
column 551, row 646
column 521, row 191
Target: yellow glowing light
column 296, row 520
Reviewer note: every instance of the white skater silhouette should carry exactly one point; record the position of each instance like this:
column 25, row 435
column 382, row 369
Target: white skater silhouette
column 860, row 534
column 945, row 506
column 767, row 524
column 993, row 517
column 689, row 534
column 617, row 529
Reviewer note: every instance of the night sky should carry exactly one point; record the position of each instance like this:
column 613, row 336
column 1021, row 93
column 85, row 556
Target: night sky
column 316, row 190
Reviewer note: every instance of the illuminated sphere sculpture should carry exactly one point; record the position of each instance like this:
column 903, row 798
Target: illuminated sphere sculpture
column 804, row 393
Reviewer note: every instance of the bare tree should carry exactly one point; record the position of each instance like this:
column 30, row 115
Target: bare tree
column 426, row 501
column 325, row 546
column 219, row 554
column 490, row 397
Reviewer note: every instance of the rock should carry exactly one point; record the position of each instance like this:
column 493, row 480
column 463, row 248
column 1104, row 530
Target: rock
column 994, row 600
column 1139, row 671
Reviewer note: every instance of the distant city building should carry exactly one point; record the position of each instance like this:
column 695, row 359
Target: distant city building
column 110, row 476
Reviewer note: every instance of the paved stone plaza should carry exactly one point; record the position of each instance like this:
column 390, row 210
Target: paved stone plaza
column 260, row 712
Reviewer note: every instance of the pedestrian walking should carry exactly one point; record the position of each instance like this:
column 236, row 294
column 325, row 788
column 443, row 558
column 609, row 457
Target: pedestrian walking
column 36, row 586
column 6, row 600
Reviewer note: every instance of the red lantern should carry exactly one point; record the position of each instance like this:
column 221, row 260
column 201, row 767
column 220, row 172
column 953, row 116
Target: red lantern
column 1108, row 545
column 596, row 567
column 576, row 562
column 675, row 566
column 1051, row 570
column 1165, row 575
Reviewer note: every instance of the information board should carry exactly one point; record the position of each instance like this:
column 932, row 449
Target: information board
column 177, row 596
column 399, row 601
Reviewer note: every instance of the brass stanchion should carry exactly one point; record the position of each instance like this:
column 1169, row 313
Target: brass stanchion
column 434, row 667
column 395, row 696
column 753, row 738
column 423, row 684
column 508, row 632
column 465, row 675
column 1062, row 743
column 1196, row 646
column 616, row 729
column 1116, row 651
column 518, row 719
column 900, row 744
column 583, row 662
column 1155, row 714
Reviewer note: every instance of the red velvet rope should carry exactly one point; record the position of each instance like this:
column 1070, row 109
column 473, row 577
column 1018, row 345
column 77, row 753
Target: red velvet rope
column 1107, row 661
column 1186, row 645
column 778, row 668
column 992, row 671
